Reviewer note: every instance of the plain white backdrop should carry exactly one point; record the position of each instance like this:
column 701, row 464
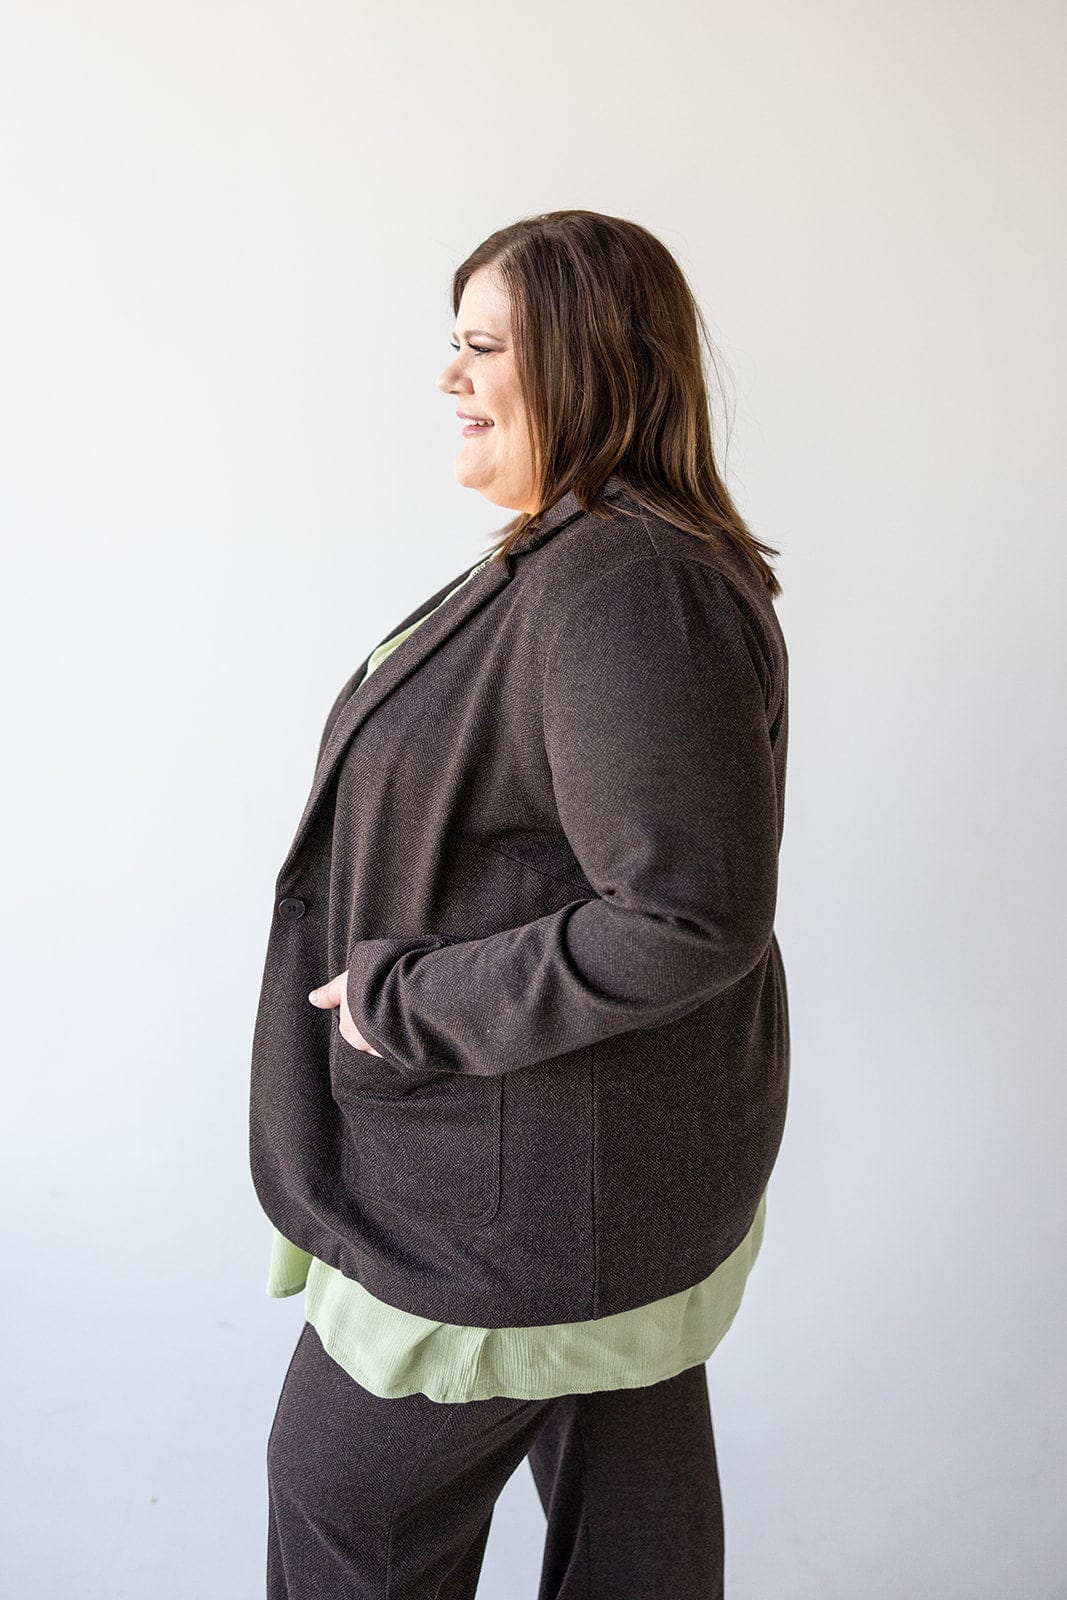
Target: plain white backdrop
column 228, row 235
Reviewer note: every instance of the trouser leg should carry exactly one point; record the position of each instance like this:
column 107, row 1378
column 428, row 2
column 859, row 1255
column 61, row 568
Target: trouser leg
column 372, row 1499
column 629, row 1482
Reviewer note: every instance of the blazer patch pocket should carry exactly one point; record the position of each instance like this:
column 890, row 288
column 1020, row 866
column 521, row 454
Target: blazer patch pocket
column 429, row 1142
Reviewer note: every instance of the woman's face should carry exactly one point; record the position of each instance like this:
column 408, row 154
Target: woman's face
column 496, row 459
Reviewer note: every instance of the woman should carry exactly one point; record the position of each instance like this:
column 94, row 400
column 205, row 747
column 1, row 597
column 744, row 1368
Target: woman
column 520, row 1065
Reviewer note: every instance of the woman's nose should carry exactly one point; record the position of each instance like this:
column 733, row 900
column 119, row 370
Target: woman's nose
column 450, row 381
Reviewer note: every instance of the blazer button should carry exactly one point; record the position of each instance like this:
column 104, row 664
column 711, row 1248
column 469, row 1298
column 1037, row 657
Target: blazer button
column 291, row 908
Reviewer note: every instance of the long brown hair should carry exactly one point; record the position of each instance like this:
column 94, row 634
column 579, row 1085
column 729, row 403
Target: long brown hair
column 606, row 333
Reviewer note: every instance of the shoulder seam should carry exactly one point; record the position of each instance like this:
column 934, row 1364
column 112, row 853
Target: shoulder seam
column 657, row 555
column 724, row 582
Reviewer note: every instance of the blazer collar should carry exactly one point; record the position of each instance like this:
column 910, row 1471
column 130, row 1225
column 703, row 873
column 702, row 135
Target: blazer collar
column 565, row 509
column 441, row 621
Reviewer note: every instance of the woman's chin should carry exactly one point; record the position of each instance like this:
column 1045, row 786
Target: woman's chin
column 472, row 474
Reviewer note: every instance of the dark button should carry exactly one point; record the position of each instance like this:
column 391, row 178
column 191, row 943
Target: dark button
column 291, row 908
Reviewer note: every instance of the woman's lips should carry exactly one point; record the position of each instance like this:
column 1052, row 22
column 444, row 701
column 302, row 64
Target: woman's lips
column 474, row 427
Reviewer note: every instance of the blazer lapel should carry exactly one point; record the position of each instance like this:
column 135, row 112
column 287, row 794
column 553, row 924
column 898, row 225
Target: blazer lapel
column 413, row 651
column 409, row 654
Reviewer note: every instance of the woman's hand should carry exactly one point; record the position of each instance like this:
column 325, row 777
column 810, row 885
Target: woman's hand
column 333, row 994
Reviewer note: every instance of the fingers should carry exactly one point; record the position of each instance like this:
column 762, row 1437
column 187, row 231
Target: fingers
column 329, row 994
column 333, row 994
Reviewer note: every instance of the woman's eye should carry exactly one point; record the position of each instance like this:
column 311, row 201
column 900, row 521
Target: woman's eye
column 481, row 349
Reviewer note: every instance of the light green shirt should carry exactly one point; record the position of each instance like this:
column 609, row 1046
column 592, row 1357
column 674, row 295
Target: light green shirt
column 393, row 1352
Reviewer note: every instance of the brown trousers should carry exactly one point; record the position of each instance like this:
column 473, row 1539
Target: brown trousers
column 373, row 1499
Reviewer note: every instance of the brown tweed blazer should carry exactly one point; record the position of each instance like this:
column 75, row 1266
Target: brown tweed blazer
column 543, row 839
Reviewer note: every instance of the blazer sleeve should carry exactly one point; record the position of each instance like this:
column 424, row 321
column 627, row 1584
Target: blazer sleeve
column 656, row 729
